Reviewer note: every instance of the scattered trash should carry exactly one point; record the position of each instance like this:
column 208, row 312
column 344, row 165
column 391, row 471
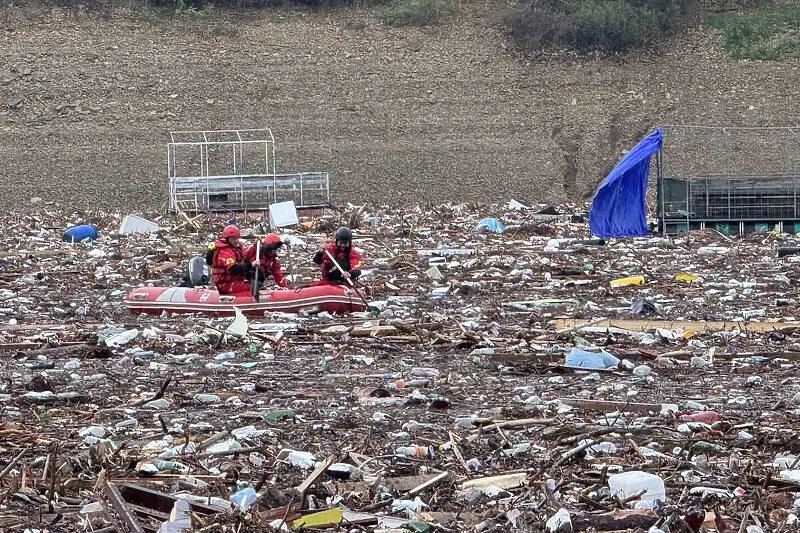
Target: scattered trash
column 501, row 385
column 491, row 225
column 85, row 232
column 135, row 224
column 706, row 417
column 283, row 214
column 579, row 358
column 640, row 306
column 122, row 338
column 505, row 482
column 303, row 460
column 244, row 498
column 329, row 517
column 179, row 521
column 627, row 282
column 434, row 273
column 559, row 522
column 783, row 251
column 648, row 487
column 239, row 326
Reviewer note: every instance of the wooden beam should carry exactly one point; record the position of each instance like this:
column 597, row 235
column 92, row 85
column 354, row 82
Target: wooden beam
column 315, row 475
column 602, row 405
column 699, row 326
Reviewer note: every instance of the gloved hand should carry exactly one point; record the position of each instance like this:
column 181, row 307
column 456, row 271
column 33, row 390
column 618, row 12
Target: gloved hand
column 355, row 274
column 240, row 269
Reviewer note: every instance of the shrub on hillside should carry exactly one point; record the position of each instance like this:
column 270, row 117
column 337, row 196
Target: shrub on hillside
column 417, row 12
column 767, row 32
column 595, row 25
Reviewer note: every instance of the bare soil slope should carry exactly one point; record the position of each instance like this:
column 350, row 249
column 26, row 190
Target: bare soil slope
column 396, row 115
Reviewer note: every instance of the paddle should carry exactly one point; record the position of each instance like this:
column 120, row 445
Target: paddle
column 371, row 308
column 254, row 286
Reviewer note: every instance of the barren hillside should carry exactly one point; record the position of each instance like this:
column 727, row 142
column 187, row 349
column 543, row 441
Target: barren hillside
column 396, row 115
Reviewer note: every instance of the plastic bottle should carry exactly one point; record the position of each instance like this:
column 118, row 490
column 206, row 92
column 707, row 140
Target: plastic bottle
column 416, row 452
column 170, row 466
column 206, row 398
column 79, row 233
column 424, row 372
column 628, row 484
column 704, row 446
column 706, row 417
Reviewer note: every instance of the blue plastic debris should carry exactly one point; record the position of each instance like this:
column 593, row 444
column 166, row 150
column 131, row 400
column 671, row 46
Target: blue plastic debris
column 602, row 360
column 244, row 498
column 491, row 224
column 80, row 233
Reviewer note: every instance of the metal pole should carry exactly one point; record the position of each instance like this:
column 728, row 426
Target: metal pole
column 301, row 188
column 688, row 200
column 172, row 199
column 659, row 194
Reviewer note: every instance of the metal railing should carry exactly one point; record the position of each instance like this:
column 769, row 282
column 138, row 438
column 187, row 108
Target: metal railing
column 249, row 191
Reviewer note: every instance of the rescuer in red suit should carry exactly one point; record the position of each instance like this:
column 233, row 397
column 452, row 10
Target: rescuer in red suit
column 348, row 258
column 229, row 270
column 268, row 259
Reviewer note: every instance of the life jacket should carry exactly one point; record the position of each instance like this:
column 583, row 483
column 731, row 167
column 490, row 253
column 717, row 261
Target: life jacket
column 220, row 265
column 348, row 259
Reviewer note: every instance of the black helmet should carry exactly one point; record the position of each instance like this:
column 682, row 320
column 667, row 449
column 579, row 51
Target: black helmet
column 344, row 234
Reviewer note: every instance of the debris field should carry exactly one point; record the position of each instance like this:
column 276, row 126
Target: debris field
column 516, row 376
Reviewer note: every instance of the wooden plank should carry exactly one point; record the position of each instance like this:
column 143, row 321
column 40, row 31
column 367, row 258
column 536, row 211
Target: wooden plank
column 602, row 405
column 690, row 325
column 373, row 331
column 570, row 329
column 504, row 481
column 314, row 476
column 428, row 484
column 14, row 346
column 126, row 518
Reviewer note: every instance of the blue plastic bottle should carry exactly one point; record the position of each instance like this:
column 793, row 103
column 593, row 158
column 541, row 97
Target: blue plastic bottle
column 79, row 233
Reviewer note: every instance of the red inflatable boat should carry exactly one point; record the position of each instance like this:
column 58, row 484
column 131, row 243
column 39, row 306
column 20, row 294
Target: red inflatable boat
column 330, row 298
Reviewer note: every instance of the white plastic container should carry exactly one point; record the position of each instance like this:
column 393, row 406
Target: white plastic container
column 627, row 484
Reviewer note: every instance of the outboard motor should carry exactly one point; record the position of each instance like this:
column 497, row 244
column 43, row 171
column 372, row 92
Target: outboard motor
column 198, row 272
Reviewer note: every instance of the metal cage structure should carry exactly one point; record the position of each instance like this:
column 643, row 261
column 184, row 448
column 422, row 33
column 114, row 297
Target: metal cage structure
column 733, row 180
column 235, row 170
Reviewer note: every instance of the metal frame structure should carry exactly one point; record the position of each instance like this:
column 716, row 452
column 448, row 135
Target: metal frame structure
column 732, row 202
column 226, row 170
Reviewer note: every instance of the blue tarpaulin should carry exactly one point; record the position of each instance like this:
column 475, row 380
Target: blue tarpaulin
column 618, row 206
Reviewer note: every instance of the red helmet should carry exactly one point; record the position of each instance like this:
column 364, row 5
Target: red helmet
column 271, row 238
column 231, row 231
column 272, row 241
